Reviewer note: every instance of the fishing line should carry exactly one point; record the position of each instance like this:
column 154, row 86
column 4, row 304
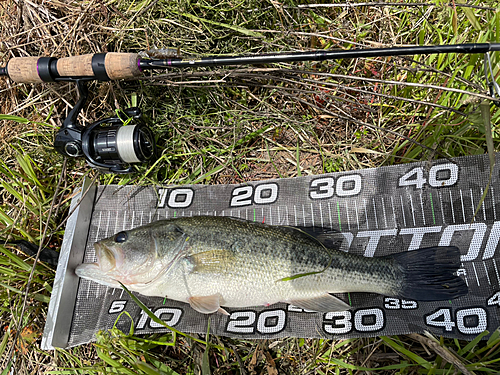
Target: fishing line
column 111, row 147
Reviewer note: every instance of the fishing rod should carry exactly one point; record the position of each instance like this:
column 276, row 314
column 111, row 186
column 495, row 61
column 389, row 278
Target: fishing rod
column 110, row 146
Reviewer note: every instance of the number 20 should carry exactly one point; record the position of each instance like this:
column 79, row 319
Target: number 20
column 262, row 194
column 266, row 322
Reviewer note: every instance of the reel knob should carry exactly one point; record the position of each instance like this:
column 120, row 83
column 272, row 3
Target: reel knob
column 73, row 149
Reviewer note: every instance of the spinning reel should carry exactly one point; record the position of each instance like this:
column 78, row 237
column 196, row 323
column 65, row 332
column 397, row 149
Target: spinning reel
column 106, row 144
column 110, row 146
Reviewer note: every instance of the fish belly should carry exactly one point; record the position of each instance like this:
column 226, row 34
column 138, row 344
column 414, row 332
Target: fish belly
column 257, row 281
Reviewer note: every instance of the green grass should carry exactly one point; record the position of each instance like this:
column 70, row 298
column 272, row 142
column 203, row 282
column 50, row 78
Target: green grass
column 221, row 125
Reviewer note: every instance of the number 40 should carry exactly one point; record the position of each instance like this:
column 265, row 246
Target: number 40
column 440, row 175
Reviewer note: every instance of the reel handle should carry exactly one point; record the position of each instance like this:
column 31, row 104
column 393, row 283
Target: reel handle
column 99, row 66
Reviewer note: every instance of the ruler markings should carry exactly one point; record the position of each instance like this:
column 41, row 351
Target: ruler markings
column 287, row 216
column 98, row 226
column 475, row 272
column 295, row 213
column 321, row 215
column 366, row 214
column 482, row 205
column 394, row 212
column 442, row 210
column 462, row 200
column 121, row 294
column 116, row 222
column 403, row 210
column 472, row 204
column 347, row 214
column 375, row 213
column 304, row 215
column 432, row 209
column 356, row 210
column 86, row 281
column 493, row 202
column 486, row 272
column 133, row 219
column 412, row 210
column 422, row 207
column 338, row 214
column 107, row 224
column 383, row 210
column 312, row 214
column 496, row 270
column 452, row 209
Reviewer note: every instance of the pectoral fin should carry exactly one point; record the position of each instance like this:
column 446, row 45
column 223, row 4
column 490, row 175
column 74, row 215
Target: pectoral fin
column 215, row 261
column 207, row 304
column 324, row 303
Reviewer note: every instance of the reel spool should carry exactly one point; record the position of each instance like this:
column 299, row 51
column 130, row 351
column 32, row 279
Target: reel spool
column 108, row 144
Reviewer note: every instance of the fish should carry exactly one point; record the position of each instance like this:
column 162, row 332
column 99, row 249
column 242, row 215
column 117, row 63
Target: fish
column 216, row 262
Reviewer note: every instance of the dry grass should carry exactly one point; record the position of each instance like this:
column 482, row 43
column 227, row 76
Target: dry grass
column 340, row 115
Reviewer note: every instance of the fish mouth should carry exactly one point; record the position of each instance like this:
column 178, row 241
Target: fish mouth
column 102, row 271
column 87, row 270
column 92, row 271
column 106, row 259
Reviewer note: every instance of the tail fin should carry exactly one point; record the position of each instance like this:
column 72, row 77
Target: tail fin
column 428, row 273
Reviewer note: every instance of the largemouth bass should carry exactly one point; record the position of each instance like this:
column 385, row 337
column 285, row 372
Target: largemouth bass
column 211, row 262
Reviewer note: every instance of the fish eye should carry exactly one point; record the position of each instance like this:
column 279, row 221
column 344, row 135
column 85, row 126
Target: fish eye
column 121, row 237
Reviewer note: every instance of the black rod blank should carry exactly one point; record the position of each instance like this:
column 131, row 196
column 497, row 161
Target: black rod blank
column 318, row 55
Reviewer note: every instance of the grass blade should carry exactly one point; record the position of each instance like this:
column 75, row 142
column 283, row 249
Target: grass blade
column 14, row 118
column 225, row 25
column 486, row 115
column 400, row 349
column 159, row 321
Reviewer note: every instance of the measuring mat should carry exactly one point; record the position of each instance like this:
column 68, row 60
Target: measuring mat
column 379, row 212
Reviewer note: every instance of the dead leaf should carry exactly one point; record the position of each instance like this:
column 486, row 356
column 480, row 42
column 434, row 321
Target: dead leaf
column 270, row 364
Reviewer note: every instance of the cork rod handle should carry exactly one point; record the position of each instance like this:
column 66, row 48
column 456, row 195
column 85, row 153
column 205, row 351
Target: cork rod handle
column 102, row 66
column 23, row 70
